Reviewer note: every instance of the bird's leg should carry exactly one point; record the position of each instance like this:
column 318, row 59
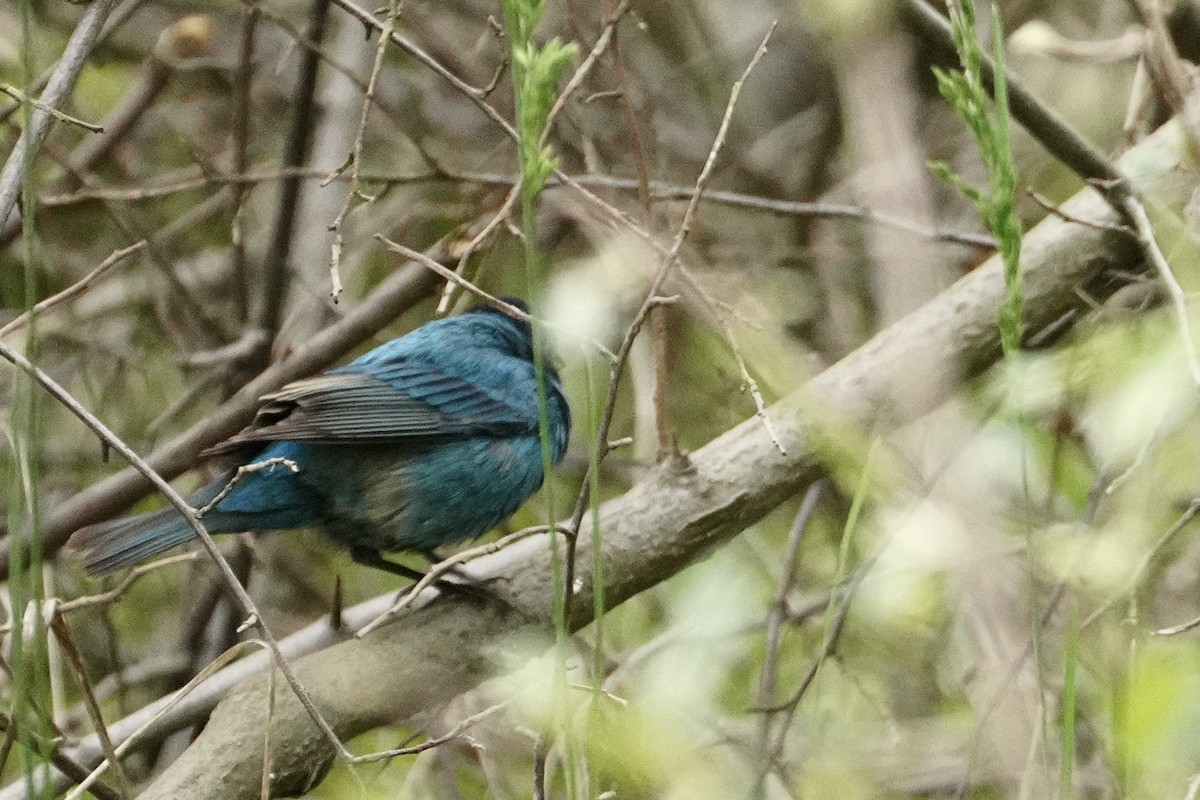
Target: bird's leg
column 371, row 558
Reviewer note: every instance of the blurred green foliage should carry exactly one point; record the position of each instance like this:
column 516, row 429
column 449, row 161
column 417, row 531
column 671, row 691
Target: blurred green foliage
column 1041, row 494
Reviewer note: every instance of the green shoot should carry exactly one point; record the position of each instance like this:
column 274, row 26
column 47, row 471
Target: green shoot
column 31, row 699
column 988, row 119
column 535, row 73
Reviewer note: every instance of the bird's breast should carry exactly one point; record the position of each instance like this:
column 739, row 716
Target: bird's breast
column 445, row 494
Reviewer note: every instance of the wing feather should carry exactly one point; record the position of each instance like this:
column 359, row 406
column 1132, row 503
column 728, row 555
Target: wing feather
column 404, row 400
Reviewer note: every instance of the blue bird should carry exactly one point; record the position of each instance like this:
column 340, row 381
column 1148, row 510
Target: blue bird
column 428, row 440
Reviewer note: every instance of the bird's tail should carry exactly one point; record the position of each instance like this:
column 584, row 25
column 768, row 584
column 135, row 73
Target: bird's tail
column 111, row 546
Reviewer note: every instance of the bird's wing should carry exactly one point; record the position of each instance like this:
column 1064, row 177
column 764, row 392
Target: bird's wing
column 402, row 401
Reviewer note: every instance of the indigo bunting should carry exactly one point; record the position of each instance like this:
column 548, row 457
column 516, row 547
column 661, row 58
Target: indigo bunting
column 428, row 440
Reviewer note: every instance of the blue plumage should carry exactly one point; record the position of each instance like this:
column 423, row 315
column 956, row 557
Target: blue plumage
column 430, row 439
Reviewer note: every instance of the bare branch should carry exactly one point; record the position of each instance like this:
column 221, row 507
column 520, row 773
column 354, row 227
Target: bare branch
column 667, row 520
column 76, row 289
column 20, row 96
column 275, row 264
column 57, row 88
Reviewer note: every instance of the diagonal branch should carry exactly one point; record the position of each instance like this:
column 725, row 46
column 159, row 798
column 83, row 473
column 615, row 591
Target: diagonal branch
column 681, row 511
column 275, row 265
column 57, row 88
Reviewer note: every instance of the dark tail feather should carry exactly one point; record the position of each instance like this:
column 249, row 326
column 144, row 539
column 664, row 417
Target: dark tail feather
column 112, row 546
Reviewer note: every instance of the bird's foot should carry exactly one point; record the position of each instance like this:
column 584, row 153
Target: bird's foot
column 466, row 585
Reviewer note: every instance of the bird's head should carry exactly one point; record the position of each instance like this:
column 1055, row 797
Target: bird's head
column 512, row 336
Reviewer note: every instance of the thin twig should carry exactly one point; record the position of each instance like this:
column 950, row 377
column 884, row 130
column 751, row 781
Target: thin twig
column 580, row 75
column 779, row 613
column 493, row 301
column 659, row 343
column 21, row 97
column 1133, row 209
column 653, row 299
column 75, row 289
column 242, row 472
column 660, row 356
column 1053, row 208
column 63, row 607
column 658, row 192
column 355, row 161
column 1135, row 580
column 1043, row 39
column 62, row 630
column 57, row 89
column 827, row 649
column 450, row 275
column 673, row 256
column 448, row 736
column 689, row 214
column 118, row 591
column 241, row 163
column 789, row 706
column 441, row 568
column 1175, row 630
column 473, row 244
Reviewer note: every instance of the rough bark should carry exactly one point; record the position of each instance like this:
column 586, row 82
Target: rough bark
column 677, row 514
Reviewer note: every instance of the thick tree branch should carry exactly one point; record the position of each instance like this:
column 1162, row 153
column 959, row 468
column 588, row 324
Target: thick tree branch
column 683, row 510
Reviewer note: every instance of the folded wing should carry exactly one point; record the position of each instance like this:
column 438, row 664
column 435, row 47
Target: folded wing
column 403, row 401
